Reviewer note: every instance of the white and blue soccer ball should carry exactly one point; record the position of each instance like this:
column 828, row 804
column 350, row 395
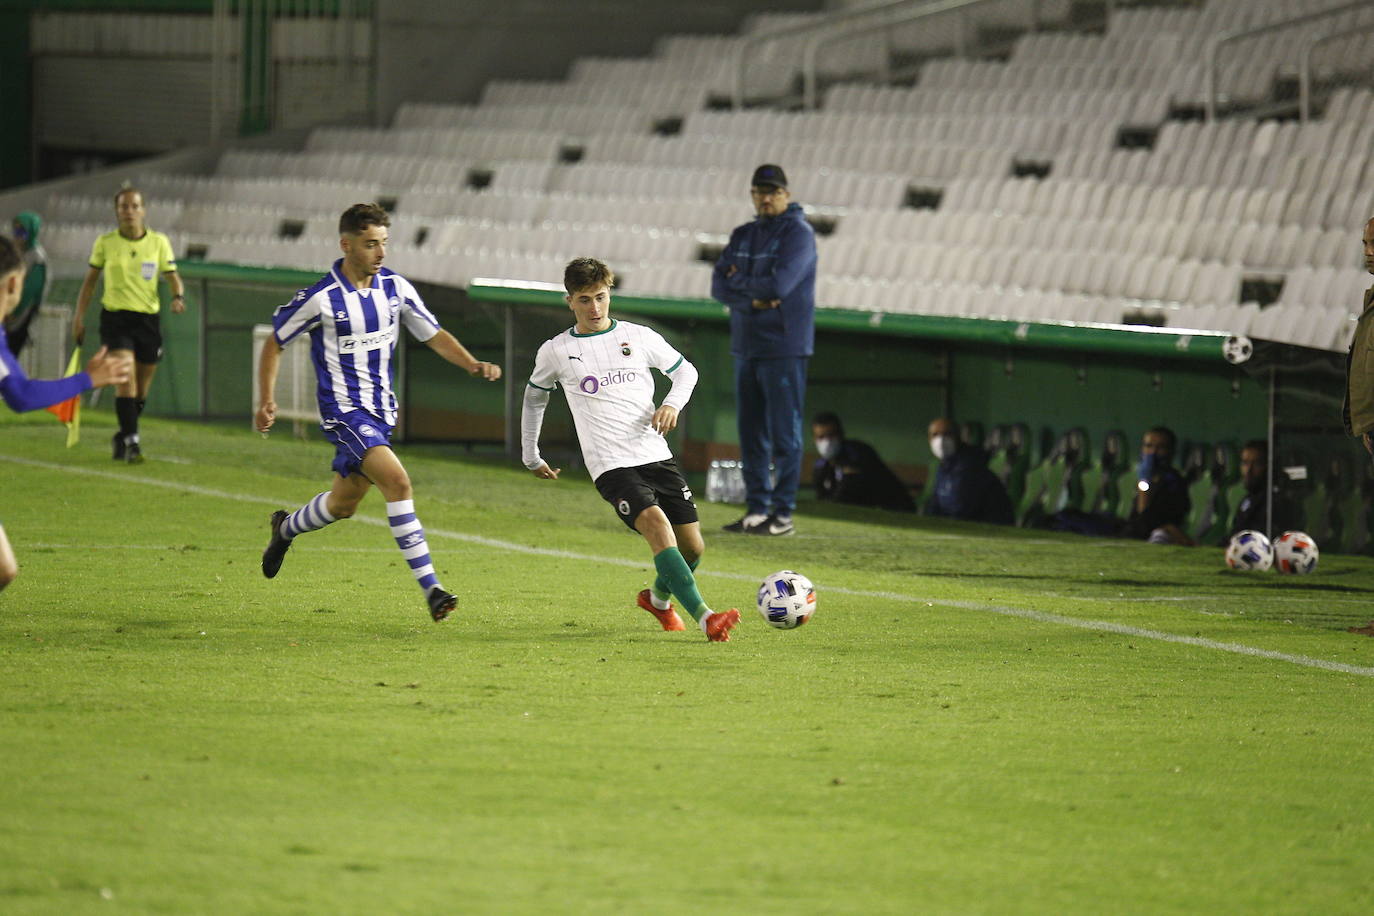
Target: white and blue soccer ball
column 1249, row 550
column 787, row 599
column 1295, row 552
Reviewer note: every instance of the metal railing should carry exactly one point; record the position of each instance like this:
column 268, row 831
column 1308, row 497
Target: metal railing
column 1214, row 46
column 751, row 42
column 268, row 50
column 1305, row 80
column 864, row 20
column 811, row 54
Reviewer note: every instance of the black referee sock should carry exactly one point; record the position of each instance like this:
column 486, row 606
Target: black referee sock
column 126, row 409
column 141, row 402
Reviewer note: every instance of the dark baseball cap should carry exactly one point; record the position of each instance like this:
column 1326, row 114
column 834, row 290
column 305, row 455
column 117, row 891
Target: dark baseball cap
column 769, row 175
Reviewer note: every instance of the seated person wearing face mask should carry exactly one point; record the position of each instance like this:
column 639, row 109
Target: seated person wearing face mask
column 964, row 488
column 1161, row 501
column 850, row 471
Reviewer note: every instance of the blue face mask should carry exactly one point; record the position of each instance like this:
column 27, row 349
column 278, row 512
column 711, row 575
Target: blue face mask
column 1147, row 467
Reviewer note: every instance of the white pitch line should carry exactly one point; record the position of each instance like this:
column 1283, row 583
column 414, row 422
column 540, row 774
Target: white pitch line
column 1001, row 610
column 184, row 548
column 1286, row 599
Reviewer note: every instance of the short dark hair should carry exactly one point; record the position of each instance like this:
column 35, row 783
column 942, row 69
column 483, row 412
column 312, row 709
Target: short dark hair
column 586, row 273
column 1168, row 434
column 10, row 257
column 826, row 418
column 1259, row 445
column 129, row 189
column 358, row 217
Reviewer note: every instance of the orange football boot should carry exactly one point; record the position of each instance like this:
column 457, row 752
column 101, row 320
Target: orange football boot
column 668, row 619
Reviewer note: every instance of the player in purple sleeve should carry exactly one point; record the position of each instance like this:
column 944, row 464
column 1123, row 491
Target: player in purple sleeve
column 22, row 393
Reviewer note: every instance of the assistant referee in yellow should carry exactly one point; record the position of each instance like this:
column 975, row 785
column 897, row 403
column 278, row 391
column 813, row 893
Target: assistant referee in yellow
column 131, row 258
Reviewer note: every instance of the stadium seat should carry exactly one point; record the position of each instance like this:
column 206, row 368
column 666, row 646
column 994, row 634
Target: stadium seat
column 1047, row 482
column 1102, row 481
column 1011, row 458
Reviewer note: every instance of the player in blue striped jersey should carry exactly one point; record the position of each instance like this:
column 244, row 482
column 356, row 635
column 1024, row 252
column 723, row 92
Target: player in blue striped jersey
column 352, row 317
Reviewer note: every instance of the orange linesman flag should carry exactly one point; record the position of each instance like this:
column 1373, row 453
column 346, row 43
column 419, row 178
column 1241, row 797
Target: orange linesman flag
column 69, row 411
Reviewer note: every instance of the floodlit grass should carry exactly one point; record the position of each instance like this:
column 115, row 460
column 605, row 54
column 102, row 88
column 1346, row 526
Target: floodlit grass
column 950, row 734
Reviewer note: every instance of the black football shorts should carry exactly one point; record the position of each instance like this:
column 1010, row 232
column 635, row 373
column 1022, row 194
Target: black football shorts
column 632, row 490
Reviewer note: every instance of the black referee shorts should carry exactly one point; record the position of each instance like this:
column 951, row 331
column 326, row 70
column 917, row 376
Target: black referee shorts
column 632, row 490
column 138, row 331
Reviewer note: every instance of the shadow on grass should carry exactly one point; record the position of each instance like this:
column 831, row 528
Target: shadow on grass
column 1232, row 581
column 816, row 509
column 965, row 574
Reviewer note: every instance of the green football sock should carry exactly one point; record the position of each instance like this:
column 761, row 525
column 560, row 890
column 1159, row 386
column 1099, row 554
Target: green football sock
column 674, row 572
column 662, row 590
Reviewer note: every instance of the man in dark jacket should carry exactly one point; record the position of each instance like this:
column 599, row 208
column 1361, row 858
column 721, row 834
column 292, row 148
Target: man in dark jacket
column 1252, row 514
column 1358, row 410
column 767, row 276
column 964, row 488
column 850, row 471
column 1161, row 501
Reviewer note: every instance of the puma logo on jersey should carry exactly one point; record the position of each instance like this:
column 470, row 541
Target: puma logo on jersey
column 578, row 358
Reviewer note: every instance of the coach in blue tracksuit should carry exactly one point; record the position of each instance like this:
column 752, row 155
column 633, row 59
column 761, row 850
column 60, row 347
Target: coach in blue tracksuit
column 767, row 276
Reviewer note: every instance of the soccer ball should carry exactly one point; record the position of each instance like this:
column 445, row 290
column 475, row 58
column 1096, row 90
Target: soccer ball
column 787, row 599
column 1249, row 550
column 1295, row 552
column 1237, row 349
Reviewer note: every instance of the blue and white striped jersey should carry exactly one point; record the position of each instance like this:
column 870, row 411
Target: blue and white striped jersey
column 353, row 337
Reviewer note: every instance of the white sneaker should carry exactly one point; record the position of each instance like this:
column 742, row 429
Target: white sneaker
column 748, row 523
column 773, row 525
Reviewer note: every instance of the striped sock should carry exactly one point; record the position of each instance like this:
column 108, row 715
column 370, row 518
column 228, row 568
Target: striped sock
column 313, row 516
column 410, row 537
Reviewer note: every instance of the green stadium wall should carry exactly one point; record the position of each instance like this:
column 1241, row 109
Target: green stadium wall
column 887, row 376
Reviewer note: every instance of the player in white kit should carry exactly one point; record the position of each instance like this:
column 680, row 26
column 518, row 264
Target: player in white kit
column 603, row 366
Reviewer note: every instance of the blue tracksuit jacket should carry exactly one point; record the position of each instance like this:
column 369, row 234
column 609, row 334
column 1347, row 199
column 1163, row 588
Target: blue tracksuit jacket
column 775, row 259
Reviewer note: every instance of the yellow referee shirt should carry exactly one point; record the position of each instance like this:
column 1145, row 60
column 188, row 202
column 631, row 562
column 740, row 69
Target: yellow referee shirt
column 131, row 269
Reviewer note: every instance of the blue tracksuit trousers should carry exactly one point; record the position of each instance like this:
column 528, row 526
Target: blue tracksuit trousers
column 769, row 396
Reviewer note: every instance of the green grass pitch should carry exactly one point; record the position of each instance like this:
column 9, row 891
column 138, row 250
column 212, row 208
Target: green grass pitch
column 976, row 721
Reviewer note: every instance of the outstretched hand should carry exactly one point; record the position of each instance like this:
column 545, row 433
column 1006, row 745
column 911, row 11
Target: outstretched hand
column 487, row 371
column 105, row 369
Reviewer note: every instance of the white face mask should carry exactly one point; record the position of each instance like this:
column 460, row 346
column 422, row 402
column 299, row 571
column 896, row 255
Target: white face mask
column 943, row 446
column 828, row 447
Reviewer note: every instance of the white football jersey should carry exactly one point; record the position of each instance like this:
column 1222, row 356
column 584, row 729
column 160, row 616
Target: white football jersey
column 605, row 377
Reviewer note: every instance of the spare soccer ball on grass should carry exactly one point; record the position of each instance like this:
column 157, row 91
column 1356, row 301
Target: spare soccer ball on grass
column 1249, row 550
column 1295, row 552
column 787, row 599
